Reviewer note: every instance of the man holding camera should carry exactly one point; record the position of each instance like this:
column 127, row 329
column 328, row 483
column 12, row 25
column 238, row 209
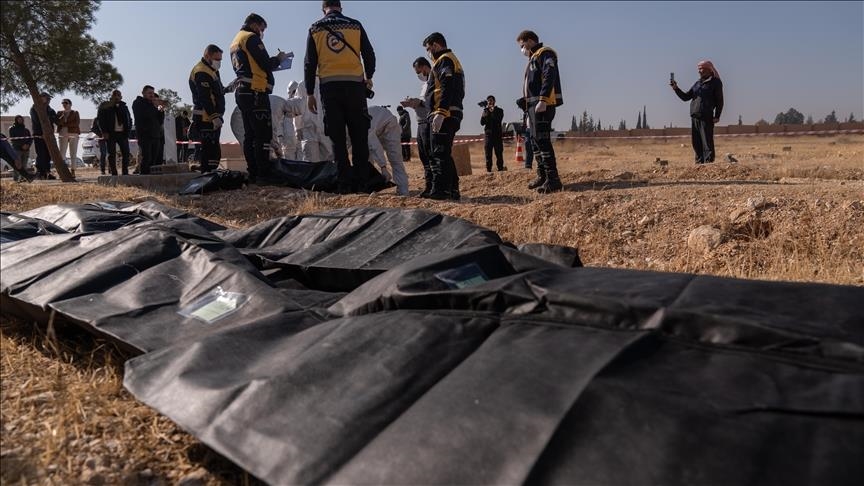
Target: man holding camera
column 541, row 94
column 149, row 113
column 491, row 119
column 339, row 52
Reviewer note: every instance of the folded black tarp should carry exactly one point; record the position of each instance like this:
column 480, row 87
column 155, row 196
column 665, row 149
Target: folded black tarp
column 110, row 215
column 14, row 227
column 341, row 249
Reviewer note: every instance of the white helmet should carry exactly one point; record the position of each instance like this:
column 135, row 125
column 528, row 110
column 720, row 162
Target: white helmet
column 292, row 88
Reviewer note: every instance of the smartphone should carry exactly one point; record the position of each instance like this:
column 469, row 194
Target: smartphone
column 671, row 76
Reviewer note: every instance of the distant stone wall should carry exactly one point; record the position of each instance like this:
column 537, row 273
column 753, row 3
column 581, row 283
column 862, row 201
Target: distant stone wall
column 723, row 130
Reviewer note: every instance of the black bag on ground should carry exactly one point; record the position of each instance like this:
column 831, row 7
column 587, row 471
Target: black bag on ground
column 312, row 176
column 215, row 181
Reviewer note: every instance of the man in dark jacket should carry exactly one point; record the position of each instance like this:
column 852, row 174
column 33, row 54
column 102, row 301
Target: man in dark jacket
column 208, row 98
column 706, row 104
column 254, row 70
column 491, row 119
column 181, row 132
column 116, row 123
column 147, row 127
column 21, row 140
column 338, row 51
column 43, row 157
column 445, row 91
column 102, row 141
column 541, row 95
column 405, row 125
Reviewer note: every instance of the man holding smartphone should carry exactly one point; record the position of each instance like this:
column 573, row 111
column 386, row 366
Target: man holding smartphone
column 706, row 104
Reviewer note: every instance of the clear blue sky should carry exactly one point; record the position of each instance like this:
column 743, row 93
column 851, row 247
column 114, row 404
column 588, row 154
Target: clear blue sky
column 614, row 57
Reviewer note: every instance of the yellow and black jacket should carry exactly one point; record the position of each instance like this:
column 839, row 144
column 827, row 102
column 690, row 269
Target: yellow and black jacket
column 208, row 94
column 542, row 82
column 445, row 88
column 328, row 56
column 251, row 63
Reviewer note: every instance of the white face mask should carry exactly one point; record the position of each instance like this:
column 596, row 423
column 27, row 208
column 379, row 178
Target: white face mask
column 526, row 52
column 423, row 77
column 216, row 65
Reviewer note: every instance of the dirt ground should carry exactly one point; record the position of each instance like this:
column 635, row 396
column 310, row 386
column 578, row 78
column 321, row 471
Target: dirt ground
column 790, row 208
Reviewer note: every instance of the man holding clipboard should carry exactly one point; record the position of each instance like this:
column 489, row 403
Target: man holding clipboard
column 254, row 69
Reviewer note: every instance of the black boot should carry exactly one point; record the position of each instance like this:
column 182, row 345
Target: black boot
column 540, row 180
column 427, row 189
column 553, row 183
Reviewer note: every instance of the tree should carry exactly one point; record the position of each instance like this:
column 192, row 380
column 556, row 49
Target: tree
column 174, row 104
column 791, row 117
column 622, row 125
column 639, row 121
column 851, row 118
column 574, row 126
column 740, row 122
column 644, row 117
column 599, row 126
column 831, row 118
column 45, row 47
column 809, row 120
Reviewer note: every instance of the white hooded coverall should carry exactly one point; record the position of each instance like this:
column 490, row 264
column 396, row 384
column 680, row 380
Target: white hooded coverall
column 314, row 145
column 385, row 145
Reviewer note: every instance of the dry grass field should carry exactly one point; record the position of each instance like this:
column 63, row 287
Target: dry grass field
column 791, row 208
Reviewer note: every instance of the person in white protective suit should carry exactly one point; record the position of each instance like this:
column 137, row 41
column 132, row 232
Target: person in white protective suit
column 296, row 106
column 385, row 145
column 314, row 145
column 282, row 115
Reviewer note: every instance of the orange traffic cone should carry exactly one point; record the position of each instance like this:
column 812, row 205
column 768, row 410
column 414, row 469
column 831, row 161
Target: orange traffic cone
column 520, row 158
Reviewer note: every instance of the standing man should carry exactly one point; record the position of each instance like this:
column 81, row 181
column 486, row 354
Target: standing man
column 101, row 141
column 491, row 119
column 706, row 104
column 181, row 133
column 208, row 99
column 405, row 136
column 541, row 93
column 422, row 69
column 116, row 123
column 21, row 140
column 339, row 51
column 254, row 70
column 147, row 127
column 43, row 157
column 444, row 93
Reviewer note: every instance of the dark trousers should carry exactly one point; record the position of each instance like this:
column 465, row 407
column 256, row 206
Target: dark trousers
column 118, row 140
column 423, row 150
column 159, row 158
column 344, row 104
column 703, row 140
column 257, row 129
column 444, row 177
column 149, row 147
column 529, row 150
column 182, row 146
column 541, row 134
column 103, row 154
column 496, row 143
column 211, row 150
column 406, row 149
column 43, row 157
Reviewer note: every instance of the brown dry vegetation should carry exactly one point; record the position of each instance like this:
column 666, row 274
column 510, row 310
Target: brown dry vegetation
column 66, row 418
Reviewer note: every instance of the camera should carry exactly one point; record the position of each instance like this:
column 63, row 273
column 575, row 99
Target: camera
column 483, row 104
column 369, row 94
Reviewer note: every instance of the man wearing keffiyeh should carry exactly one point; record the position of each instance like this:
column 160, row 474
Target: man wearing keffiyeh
column 706, row 104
